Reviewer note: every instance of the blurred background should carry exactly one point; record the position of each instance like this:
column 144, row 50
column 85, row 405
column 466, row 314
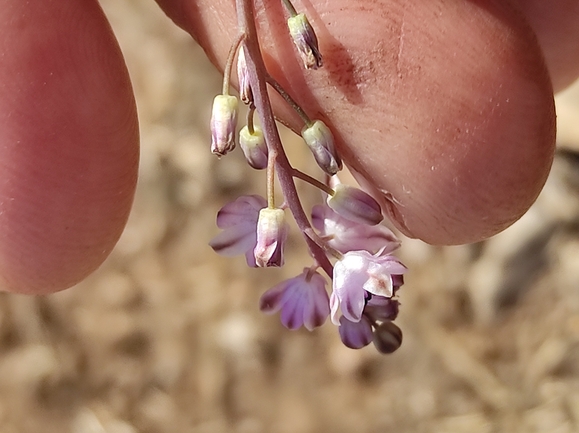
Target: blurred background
column 167, row 337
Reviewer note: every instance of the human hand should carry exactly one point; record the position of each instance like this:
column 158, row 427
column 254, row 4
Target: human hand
column 446, row 107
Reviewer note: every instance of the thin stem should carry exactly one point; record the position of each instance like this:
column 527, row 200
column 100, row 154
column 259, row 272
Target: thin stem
column 250, row 126
column 229, row 63
column 290, row 8
column 312, row 181
column 279, row 89
column 324, row 245
column 271, row 179
column 257, row 73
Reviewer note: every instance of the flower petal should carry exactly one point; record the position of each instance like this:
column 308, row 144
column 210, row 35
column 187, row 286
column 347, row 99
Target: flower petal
column 355, row 335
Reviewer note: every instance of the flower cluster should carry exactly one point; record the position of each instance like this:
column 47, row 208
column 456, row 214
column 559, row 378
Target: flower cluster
column 344, row 236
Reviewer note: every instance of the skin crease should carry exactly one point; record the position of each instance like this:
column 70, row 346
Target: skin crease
column 445, row 105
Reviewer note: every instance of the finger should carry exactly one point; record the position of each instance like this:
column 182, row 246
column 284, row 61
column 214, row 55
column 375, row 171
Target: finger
column 556, row 24
column 68, row 143
column 444, row 107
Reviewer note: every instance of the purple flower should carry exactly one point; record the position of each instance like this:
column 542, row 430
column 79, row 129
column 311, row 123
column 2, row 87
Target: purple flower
column 303, row 300
column 345, row 235
column 305, row 41
column 358, row 274
column 238, row 220
column 355, row 205
column 355, row 335
column 271, row 235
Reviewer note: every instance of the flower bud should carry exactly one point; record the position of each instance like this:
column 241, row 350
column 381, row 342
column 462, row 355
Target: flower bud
column 245, row 92
column 271, row 235
column 355, row 205
column 320, row 140
column 223, row 123
column 253, row 147
column 387, row 337
column 305, row 41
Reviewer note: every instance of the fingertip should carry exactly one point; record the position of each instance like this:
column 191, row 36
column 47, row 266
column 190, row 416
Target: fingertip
column 68, row 144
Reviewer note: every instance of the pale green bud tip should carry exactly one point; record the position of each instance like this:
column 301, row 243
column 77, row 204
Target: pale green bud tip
column 223, row 124
column 305, row 41
column 254, row 147
column 272, row 232
column 320, row 140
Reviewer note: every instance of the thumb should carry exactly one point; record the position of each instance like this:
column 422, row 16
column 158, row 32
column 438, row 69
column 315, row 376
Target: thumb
column 445, row 108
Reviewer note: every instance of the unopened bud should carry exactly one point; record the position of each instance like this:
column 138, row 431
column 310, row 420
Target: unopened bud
column 245, row 92
column 320, row 140
column 223, row 123
column 355, row 205
column 387, row 337
column 305, row 41
column 254, row 147
column 271, row 235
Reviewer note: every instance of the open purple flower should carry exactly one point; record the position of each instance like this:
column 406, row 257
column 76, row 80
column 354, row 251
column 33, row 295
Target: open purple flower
column 345, row 235
column 303, row 300
column 238, row 220
column 358, row 274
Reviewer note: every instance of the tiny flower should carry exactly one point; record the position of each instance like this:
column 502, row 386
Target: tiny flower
column 381, row 309
column 355, row 205
column 223, row 123
column 303, row 300
column 271, row 235
column 355, row 335
column 320, row 140
column 345, row 235
column 245, row 92
column 254, row 147
column 238, row 220
column 305, row 41
column 357, row 274
column 387, row 337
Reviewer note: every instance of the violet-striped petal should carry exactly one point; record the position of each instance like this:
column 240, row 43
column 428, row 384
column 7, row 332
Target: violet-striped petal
column 355, row 335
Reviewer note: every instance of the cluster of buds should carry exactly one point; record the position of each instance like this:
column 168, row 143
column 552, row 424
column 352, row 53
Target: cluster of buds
column 344, row 233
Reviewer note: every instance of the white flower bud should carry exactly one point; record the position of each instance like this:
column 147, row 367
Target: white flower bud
column 305, row 41
column 320, row 140
column 254, row 147
column 223, row 124
column 245, row 92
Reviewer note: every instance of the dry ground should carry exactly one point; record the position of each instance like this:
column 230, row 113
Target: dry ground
column 167, row 336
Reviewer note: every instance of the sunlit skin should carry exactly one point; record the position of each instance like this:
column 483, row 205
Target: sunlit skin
column 445, row 106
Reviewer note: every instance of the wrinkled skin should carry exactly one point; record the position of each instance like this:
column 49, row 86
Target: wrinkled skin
column 443, row 105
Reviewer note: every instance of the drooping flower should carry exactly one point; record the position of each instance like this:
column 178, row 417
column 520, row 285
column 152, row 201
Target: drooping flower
column 387, row 337
column 254, row 147
column 303, row 301
column 245, row 92
column 238, row 219
column 320, row 140
column 355, row 205
column 358, row 274
column 305, row 41
column 345, row 235
column 223, row 124
column 271, row 235
column 355, row 335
